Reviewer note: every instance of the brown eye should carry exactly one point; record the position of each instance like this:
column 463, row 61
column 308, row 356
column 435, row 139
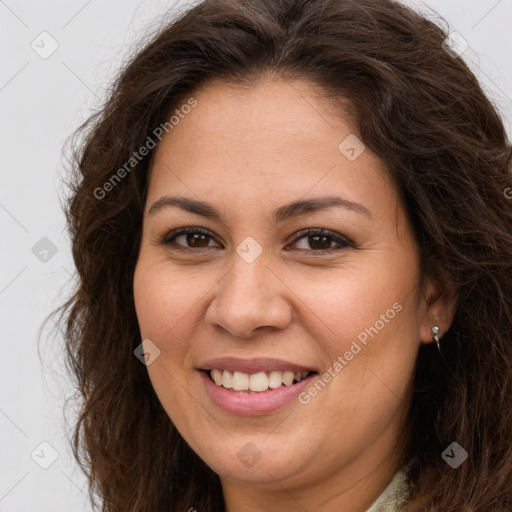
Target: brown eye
column 320, row 240
column 316, row 240
column 197, row 238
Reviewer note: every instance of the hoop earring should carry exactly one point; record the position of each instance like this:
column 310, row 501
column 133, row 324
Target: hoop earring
column 435, row 332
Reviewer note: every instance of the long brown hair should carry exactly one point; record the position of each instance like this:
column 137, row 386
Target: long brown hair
column 423, row 112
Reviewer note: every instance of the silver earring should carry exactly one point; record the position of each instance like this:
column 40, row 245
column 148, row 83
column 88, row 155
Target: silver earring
column 435, row 332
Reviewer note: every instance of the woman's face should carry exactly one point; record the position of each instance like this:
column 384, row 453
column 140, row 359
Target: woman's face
column 250, row 294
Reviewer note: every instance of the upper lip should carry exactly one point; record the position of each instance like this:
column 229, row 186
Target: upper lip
column 253, row 365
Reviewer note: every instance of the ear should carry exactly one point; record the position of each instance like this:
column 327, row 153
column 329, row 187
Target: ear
column 438, row 306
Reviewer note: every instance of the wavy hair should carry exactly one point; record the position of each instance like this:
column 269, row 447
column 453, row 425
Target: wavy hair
column 424, row 114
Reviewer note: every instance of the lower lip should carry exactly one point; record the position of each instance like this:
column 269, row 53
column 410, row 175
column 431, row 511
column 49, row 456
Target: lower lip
column 246, row 403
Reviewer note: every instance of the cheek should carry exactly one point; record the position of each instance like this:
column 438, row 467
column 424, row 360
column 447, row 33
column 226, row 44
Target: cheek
column 360, row 302
column 164, row 299
column 164, row 303
column 369, row 323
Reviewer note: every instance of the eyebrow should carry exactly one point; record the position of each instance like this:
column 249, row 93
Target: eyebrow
column 279, row 215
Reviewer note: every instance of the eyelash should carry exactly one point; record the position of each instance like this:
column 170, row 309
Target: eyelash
column 343, row 242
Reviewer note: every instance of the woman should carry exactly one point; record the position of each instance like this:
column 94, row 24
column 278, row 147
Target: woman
column 293, row 239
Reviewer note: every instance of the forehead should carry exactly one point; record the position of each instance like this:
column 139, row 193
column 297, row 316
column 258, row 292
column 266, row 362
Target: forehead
column 274, row 141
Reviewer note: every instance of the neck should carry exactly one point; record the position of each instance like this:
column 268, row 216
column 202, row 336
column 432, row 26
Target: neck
column 352, row 488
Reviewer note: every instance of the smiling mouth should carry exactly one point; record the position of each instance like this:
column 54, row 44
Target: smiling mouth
column 256, row 382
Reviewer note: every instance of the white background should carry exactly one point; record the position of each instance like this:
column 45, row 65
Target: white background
column 42, row 101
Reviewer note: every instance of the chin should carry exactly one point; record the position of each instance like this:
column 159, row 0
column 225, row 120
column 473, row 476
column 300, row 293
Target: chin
column 255, row 458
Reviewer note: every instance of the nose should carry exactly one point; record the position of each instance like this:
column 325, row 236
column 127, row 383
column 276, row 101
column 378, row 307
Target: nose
column 249, row 297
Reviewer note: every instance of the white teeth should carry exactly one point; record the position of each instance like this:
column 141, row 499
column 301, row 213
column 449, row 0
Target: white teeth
column 227, row 379
column 275, row 379
column 240, row 381
column 288, row 378
column 258, row 382
column 217, row 377
column 261, row 381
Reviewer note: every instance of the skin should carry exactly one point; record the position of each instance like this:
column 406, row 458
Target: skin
column 248, row 151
